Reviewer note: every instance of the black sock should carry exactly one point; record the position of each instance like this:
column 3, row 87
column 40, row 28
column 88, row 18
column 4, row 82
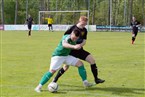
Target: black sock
column 133, row 38
column 29, row 33
column 60, row 72
column 94, row 71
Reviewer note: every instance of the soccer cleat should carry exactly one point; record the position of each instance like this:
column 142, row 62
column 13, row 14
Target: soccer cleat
column 132, row 42
column 99, row 81
column 87, row 84
column 38, row 90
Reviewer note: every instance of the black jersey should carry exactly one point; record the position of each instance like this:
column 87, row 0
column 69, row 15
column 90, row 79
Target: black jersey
column 83, row 33
column 134, row 24
column 29, row 21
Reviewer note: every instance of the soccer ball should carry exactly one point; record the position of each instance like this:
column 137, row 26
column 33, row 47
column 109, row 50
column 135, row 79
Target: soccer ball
column 53, row 87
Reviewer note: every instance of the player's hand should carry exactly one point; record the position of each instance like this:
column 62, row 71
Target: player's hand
column 77, row 47
column 137, row 25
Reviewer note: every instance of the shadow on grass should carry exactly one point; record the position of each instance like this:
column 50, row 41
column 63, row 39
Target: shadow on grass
column 59, row 92
column 120, row 90
column 113, row 90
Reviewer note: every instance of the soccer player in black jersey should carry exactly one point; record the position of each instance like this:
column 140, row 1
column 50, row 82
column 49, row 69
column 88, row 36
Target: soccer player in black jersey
column 81, row 53
column 29, row 22
column 134, row 24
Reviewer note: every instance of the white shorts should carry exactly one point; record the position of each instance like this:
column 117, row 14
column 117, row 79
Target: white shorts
column 57, row 61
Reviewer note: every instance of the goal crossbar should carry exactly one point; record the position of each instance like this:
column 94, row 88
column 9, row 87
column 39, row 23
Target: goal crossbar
column 67, row 11
column 87, row 11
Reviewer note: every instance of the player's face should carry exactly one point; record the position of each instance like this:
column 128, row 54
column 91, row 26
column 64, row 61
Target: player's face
column 83, row 23
column 74, row 37
column 133, row 18
column 29, row 16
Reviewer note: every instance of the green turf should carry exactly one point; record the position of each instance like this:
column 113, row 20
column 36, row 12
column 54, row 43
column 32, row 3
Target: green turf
column 25, row 59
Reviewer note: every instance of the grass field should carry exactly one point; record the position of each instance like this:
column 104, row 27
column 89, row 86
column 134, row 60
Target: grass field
column 25, row 59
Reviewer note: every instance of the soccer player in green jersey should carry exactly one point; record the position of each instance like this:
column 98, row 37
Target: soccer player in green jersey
column 61, row 56
column 81, row 53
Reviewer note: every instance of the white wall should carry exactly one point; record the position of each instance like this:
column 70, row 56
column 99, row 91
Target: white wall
column 44, row 27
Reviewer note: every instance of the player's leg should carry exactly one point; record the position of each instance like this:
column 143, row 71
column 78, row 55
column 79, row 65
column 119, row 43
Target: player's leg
column 133, row 37
column 136, row 32
column 49, row 26
column 55, row 65
column 81, row 69
column 60, row 72
column 94, row 69
column 86, row 56
column 29, row 27
column 44, row 79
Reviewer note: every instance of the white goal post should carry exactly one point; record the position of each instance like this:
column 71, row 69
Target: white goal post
column 75, row 11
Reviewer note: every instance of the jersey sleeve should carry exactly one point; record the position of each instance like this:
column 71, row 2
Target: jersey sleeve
column 85, row 35
column 69, row 30
column 131, row 24
column 138, row 22
column 66, row 38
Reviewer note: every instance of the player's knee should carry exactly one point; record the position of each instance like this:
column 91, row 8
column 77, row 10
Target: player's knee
column 90, row 59
column 65, row 67
column 52, row 71
column 79, row 63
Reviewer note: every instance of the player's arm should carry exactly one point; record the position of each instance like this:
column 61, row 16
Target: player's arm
column 25, row 22
column 67, row 45
column 52, row 20
column 83, row 43
column 69, row 30
column 44, row 18
column 138, row 24
column 84, row 38
column 131, row 25
column 33, row 21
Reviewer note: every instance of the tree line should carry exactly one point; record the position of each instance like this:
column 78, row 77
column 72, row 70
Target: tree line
column 101, row 12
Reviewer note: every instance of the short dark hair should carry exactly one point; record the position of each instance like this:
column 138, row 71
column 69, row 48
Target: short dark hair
column 76, row 32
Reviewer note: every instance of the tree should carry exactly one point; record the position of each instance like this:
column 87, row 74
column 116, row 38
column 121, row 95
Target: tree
column 122, row 10
column 2, row 12
column 26, row 8
column 130, row 3
column 93, row 11
column 143, row 12
column 16, row 11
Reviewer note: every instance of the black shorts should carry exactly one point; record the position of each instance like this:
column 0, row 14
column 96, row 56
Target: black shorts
column 135, row 32
column 49, row 25
column 29, row 26
column 81, row 54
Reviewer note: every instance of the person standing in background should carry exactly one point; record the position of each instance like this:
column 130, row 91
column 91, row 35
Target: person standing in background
column 135, row 25
column 50, row 22
column 29, row 22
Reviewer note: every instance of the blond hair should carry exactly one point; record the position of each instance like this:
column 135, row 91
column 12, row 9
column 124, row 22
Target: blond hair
column 83, row 18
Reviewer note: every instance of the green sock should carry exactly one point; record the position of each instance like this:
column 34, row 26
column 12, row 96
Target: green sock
column 82, row 72
column 45, row 78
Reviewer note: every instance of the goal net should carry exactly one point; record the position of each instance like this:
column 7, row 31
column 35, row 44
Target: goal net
column 62, row 20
